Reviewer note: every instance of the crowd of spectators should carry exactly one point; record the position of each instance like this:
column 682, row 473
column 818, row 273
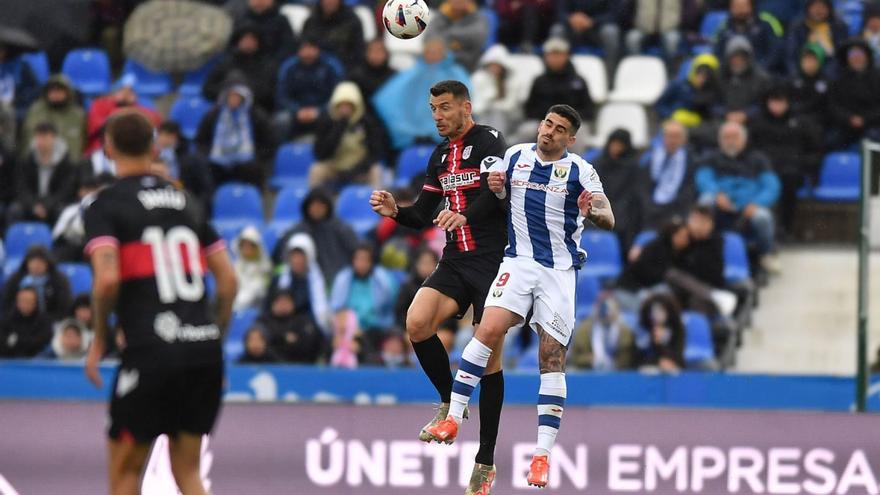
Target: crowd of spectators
column 740, row 131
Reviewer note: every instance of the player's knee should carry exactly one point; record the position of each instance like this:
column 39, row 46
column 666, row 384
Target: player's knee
column 419, row 326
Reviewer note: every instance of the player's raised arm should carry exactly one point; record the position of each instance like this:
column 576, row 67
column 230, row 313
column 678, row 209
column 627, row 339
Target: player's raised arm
column 105, row 289
column 597, row 208
column 224, row 274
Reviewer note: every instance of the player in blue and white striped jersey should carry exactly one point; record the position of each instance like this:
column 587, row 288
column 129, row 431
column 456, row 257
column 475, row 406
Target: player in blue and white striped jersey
column 551, row 193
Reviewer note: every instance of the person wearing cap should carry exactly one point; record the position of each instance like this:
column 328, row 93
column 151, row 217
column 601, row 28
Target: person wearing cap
column 46, row 180
column 235, row 138
column 818, row 24
column 759, row 29
column 559, row 84
column 122, row 95
column 854, row 101
column 57, row 104
column 305, row 84
column 809, row 89
column 247, row 59
column 743, row 82
column 793, row 144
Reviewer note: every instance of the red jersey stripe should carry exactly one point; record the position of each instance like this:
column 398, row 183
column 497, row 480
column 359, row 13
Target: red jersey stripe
column 136, row 260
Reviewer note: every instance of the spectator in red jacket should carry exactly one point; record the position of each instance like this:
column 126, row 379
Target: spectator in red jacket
column 121, row 96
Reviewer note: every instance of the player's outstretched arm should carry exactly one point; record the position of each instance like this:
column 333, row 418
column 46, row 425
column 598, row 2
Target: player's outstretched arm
column 597, row 208
column 105, row 289
column 224, row 274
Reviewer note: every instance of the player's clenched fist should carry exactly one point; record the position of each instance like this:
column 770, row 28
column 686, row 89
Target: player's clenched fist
column 383, row 203
column 449, row 220
column 585, row 203
column 496, row 182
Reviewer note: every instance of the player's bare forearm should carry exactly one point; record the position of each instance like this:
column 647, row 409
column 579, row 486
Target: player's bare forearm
column 105, row 263
column 601, row 214
column 551, row 354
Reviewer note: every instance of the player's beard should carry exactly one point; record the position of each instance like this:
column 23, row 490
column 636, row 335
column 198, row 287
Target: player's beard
column 548, row 148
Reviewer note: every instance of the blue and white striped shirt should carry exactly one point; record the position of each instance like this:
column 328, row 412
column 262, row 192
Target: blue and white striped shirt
column 545, row 222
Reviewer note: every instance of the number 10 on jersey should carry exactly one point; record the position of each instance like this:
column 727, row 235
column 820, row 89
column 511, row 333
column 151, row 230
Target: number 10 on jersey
column 168, row 251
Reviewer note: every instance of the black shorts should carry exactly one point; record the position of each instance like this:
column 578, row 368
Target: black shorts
column 466, row 280
column 149, row 402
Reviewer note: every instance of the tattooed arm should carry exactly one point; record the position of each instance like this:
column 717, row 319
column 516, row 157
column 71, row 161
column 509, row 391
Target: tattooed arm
column 597, row 209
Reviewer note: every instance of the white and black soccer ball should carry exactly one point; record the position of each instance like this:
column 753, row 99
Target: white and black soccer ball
column 405, row 19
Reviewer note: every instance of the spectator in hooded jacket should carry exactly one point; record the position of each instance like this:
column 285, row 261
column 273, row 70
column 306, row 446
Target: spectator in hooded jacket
column 253, row 267
column 660, row 316
column 819, row 24
column 335, row 241
column 618, row 165
column 18, row 89
column 604, row 342
column 412, row 122
column 26, row 330
column 39, row 271
column 809, row 89
column 234, row 137
column 302, row 277
column 256, row 347
column 743, row 82
column 58, row 105
column 349, row 142
column 793, row 144
column 646, row 272
column 122, row 96
column 247, row 60
column 375, row 71
column 293, row 336
column 275, row 30
column 524, row 23
column 305, row 84
column 497, row 90
column 667, row 182
column 854, row 104
column 740, row 182
column 744, row 20
column 595, row 23
column 338, row 30
column 465, row 30
column 46, row 180
column 691, row 100
column 70, row 342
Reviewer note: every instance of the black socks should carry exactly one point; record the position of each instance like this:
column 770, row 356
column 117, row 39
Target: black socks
column 491, row 399
column 435, row 361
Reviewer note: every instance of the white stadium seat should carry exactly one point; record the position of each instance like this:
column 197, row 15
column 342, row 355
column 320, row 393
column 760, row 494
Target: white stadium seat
column 296, row 16
column 592, row 69
column 368, row 21
column 639, row 79
column 526, row 67
column 629, row 116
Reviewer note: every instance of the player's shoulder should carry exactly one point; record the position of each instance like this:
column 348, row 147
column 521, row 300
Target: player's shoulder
column 485, row 132
column 519, row 149
column 584, row 166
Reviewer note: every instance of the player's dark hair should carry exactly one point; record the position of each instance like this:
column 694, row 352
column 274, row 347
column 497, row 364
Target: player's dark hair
column 456, row 88
column 131, row 133
column 170, row 127
column 569, row 114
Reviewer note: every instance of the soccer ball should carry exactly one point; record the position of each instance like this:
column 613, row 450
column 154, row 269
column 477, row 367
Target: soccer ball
column 405, row 19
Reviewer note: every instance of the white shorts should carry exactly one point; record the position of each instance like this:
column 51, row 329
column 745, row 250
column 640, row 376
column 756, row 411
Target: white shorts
column 523, row 284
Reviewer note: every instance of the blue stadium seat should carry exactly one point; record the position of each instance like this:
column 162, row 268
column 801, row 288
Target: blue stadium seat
column 39, row 63
column 588, row 288
column 270, row 239
column 292, row 163
column 711, row 23
column 412, row 162
column 591, row 154
column 22, row 235
column 228, row 232
column 603, row 254
column 850, row 11
column 644, row 237
column 288, row 206
column 237, row 205
column 149, row 83
column 194, row 80
column 238, row 327
column 736, row 258
column 698, row 339
column 492, row 19
column 79, row 275
column 88, row 70
column 840, row 178
column 683, row 69
column 188, row 111
column 10, row 266
column 353, row 206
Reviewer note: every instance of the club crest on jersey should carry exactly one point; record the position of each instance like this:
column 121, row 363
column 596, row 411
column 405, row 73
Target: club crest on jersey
column 467, row 152
column 497, row 292
column 560, row 172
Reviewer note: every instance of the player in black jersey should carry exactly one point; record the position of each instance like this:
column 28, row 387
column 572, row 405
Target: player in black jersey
column 150, row 246
column 476, row 234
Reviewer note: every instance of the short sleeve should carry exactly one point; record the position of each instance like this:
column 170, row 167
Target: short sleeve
column 210, row 240
column 590, row 178
column 99, row 226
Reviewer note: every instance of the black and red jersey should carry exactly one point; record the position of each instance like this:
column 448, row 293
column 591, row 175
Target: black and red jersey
column 163, row 239
column 454, row 176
